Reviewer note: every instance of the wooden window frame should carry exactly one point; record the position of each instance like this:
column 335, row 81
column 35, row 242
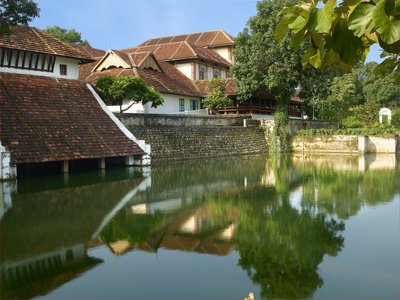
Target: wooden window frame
column 181, row 105
column 62, row 73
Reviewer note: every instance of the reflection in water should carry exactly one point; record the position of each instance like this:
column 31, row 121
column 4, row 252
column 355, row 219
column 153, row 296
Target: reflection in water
column 281, row 217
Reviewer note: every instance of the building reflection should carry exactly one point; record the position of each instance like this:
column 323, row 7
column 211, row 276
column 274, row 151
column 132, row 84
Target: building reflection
column 281, row 217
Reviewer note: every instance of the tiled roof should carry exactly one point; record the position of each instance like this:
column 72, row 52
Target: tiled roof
column 213, row 38
column 171, row 81
column 35, row 40
column 230, row 88
column 90, row 52
column 180, row 51
column 47, row 119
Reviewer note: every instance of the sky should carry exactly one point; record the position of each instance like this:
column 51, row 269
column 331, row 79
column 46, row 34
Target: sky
column 117, row 24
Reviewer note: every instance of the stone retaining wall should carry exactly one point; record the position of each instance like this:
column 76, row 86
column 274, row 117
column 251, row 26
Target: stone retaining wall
column 176, row 142
column 295, row 125
column 180, row 120
column 346, row 144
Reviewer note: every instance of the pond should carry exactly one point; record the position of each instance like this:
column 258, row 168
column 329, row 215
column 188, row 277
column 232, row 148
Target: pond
column 318, row 227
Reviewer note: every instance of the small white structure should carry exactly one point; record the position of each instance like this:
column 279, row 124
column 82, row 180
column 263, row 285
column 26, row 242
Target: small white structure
column 385, row 112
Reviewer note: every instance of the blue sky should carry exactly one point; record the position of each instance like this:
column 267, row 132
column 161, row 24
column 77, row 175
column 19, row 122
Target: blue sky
column 116, row 24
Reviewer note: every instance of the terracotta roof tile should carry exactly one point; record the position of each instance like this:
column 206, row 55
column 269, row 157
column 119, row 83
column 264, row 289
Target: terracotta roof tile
column 52, row 119
column 180, row 51
column 35, row 40
column 230, row 88
column 213, row 38
column 91, row 52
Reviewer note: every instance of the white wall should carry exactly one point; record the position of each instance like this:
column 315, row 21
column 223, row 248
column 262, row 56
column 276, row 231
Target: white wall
column 224, row 52
column 72, row 69
column 186, row 69
column 170, row 106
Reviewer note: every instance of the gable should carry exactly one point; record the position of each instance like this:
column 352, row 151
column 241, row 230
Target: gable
column 147, row 61
column 111, row 60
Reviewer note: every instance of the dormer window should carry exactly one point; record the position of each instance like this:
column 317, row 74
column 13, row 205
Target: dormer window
column 63, row 70
column 203, row 73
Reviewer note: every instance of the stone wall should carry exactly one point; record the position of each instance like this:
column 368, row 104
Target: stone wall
column 346, row 144
column 295, row 125
column 177, row 142
column 180, row 120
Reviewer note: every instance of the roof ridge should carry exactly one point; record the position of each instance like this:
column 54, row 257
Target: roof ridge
column 58, row 40
column 191, row 48
column 171, row 36
column 42, row 39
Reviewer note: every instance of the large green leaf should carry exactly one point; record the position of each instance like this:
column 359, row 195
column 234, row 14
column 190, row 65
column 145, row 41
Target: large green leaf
column 282, row 26
column 386, row 25
column 348, row 46
column 325, row 17
column 360, row 21
column 304, row 10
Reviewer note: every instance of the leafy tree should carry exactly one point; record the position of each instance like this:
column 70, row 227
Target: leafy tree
column 384, row 90
column 13, row 12
column 342, row 96
column 263, row 65
column 341, row 35
column 68, row 35
column 117, row 89
column 216, row 97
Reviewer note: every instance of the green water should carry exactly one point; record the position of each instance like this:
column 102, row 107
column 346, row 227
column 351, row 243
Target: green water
column 322, row 227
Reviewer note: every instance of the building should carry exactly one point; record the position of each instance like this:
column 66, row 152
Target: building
column 47, row 115
column 198, row 56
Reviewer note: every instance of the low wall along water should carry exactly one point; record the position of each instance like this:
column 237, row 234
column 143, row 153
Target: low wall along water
column 176, row 137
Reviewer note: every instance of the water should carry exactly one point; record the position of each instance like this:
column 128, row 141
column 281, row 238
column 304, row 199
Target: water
column 305, row 227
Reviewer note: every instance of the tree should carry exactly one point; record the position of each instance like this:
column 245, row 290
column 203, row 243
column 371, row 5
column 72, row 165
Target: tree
column 216, row 97
column 263, row 65
column 342, row 95
column 13, row 12
column 341, row 35
column 117, row 89
column 68, row 35
column 383, row 90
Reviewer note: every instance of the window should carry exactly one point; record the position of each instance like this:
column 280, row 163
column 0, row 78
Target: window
column 194, row 104
column 19, row 59
column 203, row 73
column 63, row 69
column 217, row 74
column 181, row 104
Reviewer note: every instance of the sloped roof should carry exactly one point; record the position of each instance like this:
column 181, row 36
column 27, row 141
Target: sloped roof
column 212, row 38
column 48, row 119
column 90, row 52
column 32, row 39
column 230, row 88
column 180, row 51
column 170, row 81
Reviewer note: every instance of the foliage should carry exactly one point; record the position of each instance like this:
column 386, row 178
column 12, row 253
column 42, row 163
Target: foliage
column 216, row 95
column 68, row 35
column 342, row 96
column 366, row 115
column 383, row 90
column 380, row 131
column 341, row 35
column 13, row 12
column 265, row 67
column 262, row 65
column 117, row 89
column 280, row 138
